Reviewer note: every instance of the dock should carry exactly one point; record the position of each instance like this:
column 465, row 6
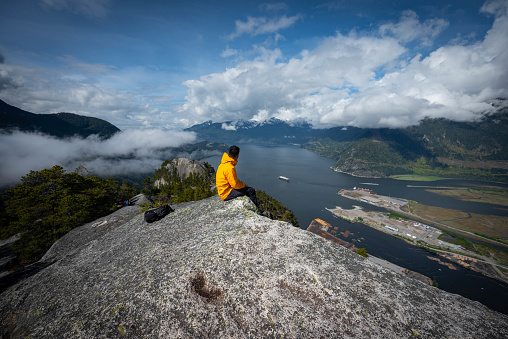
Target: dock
column 403, row 228
column 321, row 228
column 413, row 232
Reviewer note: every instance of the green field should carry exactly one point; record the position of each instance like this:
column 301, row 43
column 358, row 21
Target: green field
column 493, row 226
column 487, row 195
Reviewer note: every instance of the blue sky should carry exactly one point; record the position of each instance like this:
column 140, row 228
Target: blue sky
column 171, row 64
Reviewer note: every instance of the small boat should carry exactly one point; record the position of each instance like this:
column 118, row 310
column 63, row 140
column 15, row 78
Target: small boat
column 284, row 178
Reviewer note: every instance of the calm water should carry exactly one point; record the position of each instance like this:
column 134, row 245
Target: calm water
column 314, row 186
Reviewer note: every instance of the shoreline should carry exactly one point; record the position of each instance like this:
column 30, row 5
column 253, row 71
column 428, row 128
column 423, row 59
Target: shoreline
column 321, row 228
column 412, row 233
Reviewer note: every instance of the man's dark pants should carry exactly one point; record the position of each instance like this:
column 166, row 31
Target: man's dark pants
column 248, row 191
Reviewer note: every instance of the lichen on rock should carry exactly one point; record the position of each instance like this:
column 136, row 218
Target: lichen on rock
column 218, row 269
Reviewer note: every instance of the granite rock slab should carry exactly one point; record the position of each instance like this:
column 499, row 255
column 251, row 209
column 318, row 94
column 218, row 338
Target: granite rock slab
column 215, row 269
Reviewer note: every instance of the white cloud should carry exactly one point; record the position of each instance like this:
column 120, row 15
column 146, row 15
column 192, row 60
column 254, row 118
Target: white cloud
column 495, row 7
column 261, row 25
column 290, row 89
column 91, row 8
column 42, row 90
column 227, row 127
column 273, row 7
column 125, row 97
column 228, row 52
column 361, row 80
column 409, row 28
column 128, row 152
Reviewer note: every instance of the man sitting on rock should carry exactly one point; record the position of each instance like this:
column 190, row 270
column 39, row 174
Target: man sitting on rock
column 228, row 185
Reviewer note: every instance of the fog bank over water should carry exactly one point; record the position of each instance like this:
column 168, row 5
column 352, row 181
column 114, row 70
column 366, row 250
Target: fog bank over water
column 127, row 152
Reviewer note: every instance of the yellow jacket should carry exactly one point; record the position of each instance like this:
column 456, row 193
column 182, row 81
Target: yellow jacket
column 225, row 178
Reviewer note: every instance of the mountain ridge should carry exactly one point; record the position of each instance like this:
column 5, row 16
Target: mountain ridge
column 272, row 131
column 441, row 147
column 60, row 125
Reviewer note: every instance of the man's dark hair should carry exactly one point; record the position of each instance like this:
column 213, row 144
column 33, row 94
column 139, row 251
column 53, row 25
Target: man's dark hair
column 233, row 151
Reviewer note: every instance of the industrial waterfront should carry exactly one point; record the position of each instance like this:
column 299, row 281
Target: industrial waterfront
column 414, row 232
column 325, row 230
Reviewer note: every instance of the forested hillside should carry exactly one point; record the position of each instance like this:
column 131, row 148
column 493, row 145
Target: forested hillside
column 474, row 141
column 442, row 147
column 434, row 147
column 59, row 125
column 50, row 203
column 175, row 188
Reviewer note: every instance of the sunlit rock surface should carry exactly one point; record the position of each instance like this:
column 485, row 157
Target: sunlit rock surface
column 184, row 167
column 218, row 269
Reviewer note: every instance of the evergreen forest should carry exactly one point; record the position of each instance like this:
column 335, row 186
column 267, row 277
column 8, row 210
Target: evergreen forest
column 49, row 203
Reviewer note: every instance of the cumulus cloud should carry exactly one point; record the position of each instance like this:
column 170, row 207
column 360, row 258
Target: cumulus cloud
column 267, row 87
column 91, row 8
column 363, row 80
column 125, row 97
column 495, row 7
column 261, row 25
column 228, row 52
column 409, row 28
column 128, row 152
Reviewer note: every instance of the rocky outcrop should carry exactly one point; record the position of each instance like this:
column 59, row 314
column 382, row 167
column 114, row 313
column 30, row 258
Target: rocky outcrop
column 184, row 167
column 357, row 168
column 218, row 269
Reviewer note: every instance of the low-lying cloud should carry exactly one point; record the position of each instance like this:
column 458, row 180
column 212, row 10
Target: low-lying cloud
column 126, row 153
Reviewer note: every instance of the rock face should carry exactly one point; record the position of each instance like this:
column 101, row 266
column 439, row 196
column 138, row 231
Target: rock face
column 356, row 168
column 184, row 167
column 218, row 269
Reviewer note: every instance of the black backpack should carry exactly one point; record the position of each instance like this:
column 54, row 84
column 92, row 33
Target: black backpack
column 158, row 213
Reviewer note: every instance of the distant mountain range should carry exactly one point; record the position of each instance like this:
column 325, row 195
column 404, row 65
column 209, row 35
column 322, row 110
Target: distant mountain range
column 272, row 131
column 434, row 147
column 59, row 125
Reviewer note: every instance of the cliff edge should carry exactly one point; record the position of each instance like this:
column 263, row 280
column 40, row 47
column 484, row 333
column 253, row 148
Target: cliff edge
column 218, row 269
